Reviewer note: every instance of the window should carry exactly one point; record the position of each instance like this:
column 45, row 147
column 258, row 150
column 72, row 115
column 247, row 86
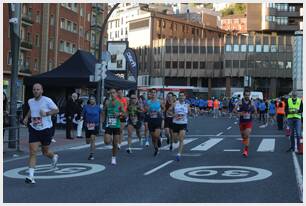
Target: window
column 195, row 65
column 236, row 48
column 192, row 31
column 217, row 50
column 88, row 17
column 189, row 49
column 81, row 31
column 266, row 48
column 37, row 17
column 168, row 49
column 243, row 64
column 9, row 58
column 175, row 49
column 235, row 63
column 288, row 65
column 81, row 10
column 73, row 48
column 37, row 40
column 243, row 48
column 62, row 45
column 182, row 49
column 273, row 48
column 251, row 64
column 51, row 44
column 258, row 48
column 202, row 50
column 209, row 49
column 228, row 48
column 281, row 64
column 35, row 63
column 188, row 65
column 52, row 20
column 62, row 23
column 168, row 64
column 251, row 48
column 174, row 65
column 164, row 24
column 75, row 28
column 69, row 26
column 195, row 49
column 181, row 65
column 217, row 65
column 258, row 64
column 202, row 65
column 228, row 63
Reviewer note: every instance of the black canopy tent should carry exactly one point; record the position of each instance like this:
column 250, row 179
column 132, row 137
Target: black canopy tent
column 75, row 72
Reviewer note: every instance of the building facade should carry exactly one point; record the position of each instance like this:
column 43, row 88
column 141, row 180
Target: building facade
column 50, row 34
column 234, row 23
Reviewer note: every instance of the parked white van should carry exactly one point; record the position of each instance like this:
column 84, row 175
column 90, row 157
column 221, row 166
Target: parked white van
column 254, row 95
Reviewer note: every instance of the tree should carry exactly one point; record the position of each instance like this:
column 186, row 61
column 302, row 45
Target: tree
column 234, row 9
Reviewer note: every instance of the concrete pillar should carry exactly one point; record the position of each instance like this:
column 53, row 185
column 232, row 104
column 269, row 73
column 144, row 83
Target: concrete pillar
column 228, row 87
column 209, row 88
column 272, row 89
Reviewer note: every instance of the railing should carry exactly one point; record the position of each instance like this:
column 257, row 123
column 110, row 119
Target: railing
column 26, row 44
column 27, row 17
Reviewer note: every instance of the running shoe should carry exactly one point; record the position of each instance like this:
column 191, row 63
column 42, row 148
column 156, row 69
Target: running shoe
column 178, row 157
column 119, row 146
column 245, row 152
column 128, row 150
column 91, row 157
column 171, row 147
column 159, row 142
column 114, row 161
column 30, row 180
column 54, row 160
column 155, row 152
column 53, row 140
column 168, row 140
column 147, row 143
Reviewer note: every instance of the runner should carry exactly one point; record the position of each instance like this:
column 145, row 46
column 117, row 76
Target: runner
column 245, row 109
column 111, row 114
column 134, row 120
column 216, row 108
column 145, row 121
column 91, row 115
column 123, row 100
column 169, row 118
column 155, row 109
column 41, row 110
column 181, row 110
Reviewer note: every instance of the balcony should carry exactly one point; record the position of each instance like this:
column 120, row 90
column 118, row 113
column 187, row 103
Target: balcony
column 97, row 6
column 27, row 19
column 25, row 68
column 288, row 13
column 26, row 45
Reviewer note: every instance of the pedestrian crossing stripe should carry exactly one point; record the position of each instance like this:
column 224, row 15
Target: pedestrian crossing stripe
column 207, row 145
column 124, row 143
column 176, row 145
column 266, row 145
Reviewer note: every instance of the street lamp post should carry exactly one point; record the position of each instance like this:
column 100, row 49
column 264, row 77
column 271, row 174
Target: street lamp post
column 14, row 20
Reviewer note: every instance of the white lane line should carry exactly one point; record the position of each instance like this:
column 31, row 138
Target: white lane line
column 219, row 134
column 266, row 145
column 299, row 176
column 159, row 167
column 122, row 144
column 86, row 146
column 231, row 150
column 234, row 135
column 229, row 128
column 176, row 145
column 207, row 145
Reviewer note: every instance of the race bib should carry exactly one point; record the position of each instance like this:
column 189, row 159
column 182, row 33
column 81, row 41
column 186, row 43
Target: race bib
column 111, row 121
column 247, row 116
column 91, row 126
column 37, row 122
column 134, row 120
column 153, row 114
column 179, row 117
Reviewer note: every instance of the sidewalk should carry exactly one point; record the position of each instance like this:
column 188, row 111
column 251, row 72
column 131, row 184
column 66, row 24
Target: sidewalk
column 60, row 144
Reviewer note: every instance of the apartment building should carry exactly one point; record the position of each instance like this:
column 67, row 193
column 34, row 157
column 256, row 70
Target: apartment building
column 50, row 34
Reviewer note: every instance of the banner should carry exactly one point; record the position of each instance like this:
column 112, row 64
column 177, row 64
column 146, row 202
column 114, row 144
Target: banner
column 132, row 61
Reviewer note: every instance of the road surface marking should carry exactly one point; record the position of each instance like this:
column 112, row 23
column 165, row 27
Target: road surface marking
column 219, row 134
column 159, row 167
column 235, row 135
column 240, row 139
column 266, row 145
column 232, row 150
column 86, row 146
column 229, row 128
column 176, row 145
column 124, row 143
column 235, row 122
column 299, row 176
column 207, row 145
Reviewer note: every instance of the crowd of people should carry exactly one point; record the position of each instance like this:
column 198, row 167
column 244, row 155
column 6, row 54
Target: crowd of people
column 153, row 116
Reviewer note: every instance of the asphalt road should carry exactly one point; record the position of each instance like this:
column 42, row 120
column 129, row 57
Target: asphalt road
column 212, row 170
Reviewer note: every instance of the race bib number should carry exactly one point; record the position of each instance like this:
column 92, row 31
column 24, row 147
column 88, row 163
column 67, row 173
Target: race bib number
column 111, row 121
column 37, row 122
column 153, row 114
column 179, row 117
column 246, row 116
column 91, row 126
column 134, row 120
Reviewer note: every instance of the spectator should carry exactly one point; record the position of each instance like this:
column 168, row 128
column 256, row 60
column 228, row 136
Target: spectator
column 69, row 114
